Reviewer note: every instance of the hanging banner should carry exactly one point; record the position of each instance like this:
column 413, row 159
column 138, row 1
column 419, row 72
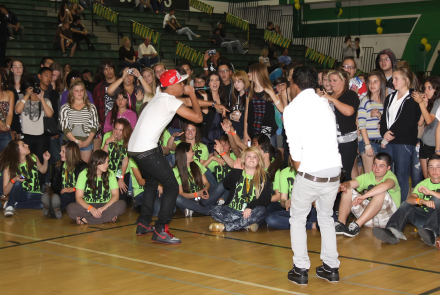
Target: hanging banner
column 203, row 7
column 189, row 54
column 106, row 13
column 276, row 39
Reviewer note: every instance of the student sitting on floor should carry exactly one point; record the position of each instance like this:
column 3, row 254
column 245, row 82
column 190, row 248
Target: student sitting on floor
column 195, row 192
column 422, row 209
column 115, row 144
column 250, row 193
column 376, row 206
column 97, row 193
column 21, row 176
column 63, row 180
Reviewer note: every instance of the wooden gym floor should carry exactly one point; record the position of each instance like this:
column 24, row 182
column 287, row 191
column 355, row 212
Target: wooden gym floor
column 41, row 255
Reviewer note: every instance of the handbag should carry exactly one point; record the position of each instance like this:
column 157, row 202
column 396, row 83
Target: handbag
column 49, row 124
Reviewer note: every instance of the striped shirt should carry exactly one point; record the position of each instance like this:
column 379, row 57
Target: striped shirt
column 80, row 122
column 364, row 118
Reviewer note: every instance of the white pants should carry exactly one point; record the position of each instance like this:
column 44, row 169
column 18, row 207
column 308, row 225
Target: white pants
column 304, row 193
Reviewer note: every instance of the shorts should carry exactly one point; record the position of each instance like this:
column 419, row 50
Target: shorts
column 375, row 145
column 57, row 45
column 384, row 215
column 87, row 148
column 426, row 151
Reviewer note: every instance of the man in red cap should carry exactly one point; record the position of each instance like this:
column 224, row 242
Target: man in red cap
column 143, row 148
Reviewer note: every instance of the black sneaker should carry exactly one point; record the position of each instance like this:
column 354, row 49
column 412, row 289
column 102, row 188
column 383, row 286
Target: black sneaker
column 340, row 228
column 299, row 276
column 165, row 237
column 427, row 236
column 144, row 229
column 352, row 230
column 385, row 235
column 328, row 273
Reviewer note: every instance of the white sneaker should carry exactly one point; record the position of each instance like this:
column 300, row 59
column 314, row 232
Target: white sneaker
column 220, row 202
column 188, row 213
column 11, row 38
column 9, row 211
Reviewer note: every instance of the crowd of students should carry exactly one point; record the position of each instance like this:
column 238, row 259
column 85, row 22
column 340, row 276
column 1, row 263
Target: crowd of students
column 64, row 145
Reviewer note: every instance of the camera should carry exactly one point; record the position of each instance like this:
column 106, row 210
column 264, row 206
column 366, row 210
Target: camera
column 212, row 52
column 30, row 82
column 130, row 71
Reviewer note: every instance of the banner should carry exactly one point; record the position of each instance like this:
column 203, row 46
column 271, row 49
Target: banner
column 276, row 39
column 143, row 31
column 189, row 54
column 106, row 13
column 321, row 58
column 74, row 1
column 203, row 7
column 238, row 22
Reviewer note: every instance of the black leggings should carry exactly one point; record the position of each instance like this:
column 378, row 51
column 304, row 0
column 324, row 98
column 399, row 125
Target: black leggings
column 348, row 153
column 38, row 144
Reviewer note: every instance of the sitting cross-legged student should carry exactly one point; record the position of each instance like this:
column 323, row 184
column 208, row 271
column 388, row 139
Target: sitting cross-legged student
column 63, row 182
column 115, row 144
column 376, row 206
column 21, row 180
column 422, row 209
column 250, row 192
column 97, row 193
column 195, row 192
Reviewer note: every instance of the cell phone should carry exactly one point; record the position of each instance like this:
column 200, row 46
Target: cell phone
column 130, row 71
column 411, row 90
column 22, row 177
column 205, row 193
column 321, row 87
column 212, row 52
column 249, row 143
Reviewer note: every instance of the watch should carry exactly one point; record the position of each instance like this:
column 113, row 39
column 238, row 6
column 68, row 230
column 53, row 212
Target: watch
column 213, row 104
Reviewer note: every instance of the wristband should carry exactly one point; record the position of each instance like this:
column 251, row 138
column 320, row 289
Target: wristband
column 368, row 145
column 437, row 151
column 12, row 180
column 195, row 194
column 74, row 189
column 277, row 102
column 233, row 133
column 222, row 154
column 23, row 101
column 90, row 207
column 205, row 69
column 140, row 78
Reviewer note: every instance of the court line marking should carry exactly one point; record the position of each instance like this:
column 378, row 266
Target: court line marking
column 160, row 265
column 131, row 270
column 430, row 291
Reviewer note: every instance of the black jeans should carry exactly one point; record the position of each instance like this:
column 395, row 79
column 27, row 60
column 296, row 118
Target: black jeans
column 79, row 37
column 348, row 151
column 416, row 216
column 155, row 169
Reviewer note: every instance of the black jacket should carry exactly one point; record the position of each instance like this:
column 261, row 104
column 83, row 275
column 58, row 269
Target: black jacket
column 405, row 128
column 231, row 182
column 57, row 176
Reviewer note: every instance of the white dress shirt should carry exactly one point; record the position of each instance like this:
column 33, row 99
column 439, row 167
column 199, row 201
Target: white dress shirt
column 311, row 132
column 142, row 49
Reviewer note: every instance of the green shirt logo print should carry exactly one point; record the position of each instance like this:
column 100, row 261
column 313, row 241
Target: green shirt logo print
column 32, row 180
column 290, row 182
column 115, row 152
column 198, row 154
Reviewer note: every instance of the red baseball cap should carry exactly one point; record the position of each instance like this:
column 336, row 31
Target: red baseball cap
column 171, row 77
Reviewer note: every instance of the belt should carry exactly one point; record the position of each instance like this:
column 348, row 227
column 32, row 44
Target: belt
column 147, row 153
column 319, row 179
column 376, row 140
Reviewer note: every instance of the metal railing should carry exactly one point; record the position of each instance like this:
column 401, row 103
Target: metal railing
column 239, row 23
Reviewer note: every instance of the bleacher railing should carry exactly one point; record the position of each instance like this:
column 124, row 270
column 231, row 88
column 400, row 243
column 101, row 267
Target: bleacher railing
column 238, row 22
column 107, row 14
column 203, row 7
column 276, row 39
column 188, row 53
column 143, row 31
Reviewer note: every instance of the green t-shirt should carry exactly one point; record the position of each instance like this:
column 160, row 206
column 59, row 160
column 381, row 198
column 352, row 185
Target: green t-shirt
column 220, row 171
column 31, row 182
column 163, row 140
column 368, row 181
column 200, row 151
column 429, row 185
column 116, row 152
column 192, row 185
column 287, row 178
column 69, row 179
column 240, row 195
column 137, row 188
column 99, row 195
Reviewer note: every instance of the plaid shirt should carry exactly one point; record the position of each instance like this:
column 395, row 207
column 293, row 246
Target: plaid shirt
column 103, row 101
column 259, row 110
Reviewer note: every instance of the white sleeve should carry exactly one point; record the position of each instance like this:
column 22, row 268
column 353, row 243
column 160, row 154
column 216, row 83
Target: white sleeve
column 141, row 51
column 174, row 104
column 437, row 114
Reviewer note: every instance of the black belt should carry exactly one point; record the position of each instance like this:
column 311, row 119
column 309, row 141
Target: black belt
column 319, row 179
column 147, row 153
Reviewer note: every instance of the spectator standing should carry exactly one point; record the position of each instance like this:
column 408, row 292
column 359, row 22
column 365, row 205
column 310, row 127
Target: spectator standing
column 147, row 54
column 3, row 39
column 359, row 53
column 80, row 33
column 285, row 58
column 64, row 13
column 270, row 27
column 238, row 103
column 63, row 39
column 6, row 114
column 386, row 61
column 158, row 6
column 187, row 67
column 76, row 10
column 127, row 57
column 148, row 75
column 225, row 69
column 57, row 78
column 86, row 78
column 348, row 48
column 17, row 84
column 13, row 24
column 73, row 76
column 120, row 110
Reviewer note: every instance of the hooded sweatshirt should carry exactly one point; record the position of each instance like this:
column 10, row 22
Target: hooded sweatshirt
column 393, row 58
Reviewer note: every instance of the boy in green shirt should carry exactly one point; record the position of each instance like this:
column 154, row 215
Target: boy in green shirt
column 376, row 206
column 422, row 209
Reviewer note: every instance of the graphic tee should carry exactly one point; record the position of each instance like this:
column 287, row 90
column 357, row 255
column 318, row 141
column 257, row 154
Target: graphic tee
column 31, row 182
column 429, row 185
column 220, row 171
column 69, row 179
column 200, row 151
column 163, row 140
column 116, row 152
column 137, row 188
column 368, row 181
column 193, row 187
column 99, row 195
column 243, row 195
column 287, row 178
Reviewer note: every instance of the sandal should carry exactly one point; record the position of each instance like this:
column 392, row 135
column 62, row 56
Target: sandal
column 81, row 220
column 114, row 218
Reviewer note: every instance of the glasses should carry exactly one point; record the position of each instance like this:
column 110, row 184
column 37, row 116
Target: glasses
column 224, row 71
column 349, row 67
column 384, row 59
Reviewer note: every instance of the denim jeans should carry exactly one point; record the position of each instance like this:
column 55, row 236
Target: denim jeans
column 5, row 138
column 54, row 151
column 141, row 8
column 148, row 61
column 127, row 64
column 20, row 31
column 18, row 198
column 157, row 6
column 416, row 216
column 215, row 193
column 232, row 44
column 186, row 31
column 155, row 169
column 211, row 178
column 401, row 155
column 233, row 219
column 280, row 219
column 416, row 168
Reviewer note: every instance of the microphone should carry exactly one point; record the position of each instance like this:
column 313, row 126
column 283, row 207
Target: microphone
column 202, row 88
